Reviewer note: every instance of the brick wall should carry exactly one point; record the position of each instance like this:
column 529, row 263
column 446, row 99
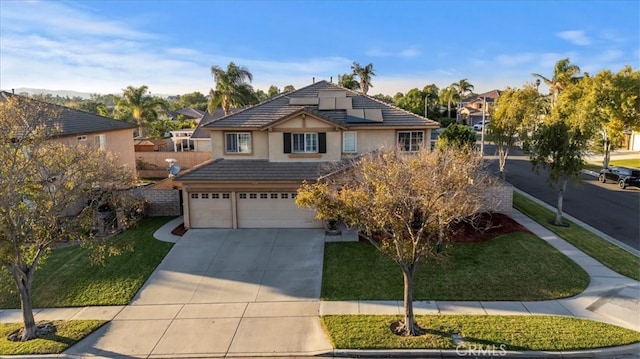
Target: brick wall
column 153, row 164
column 500, row 197
column 161, row 202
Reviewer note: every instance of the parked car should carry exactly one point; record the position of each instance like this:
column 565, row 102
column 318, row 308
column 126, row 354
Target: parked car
column 478, row 126
column 623, row 176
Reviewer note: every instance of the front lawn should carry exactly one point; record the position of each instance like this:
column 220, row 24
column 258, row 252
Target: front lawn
column 515, row 266
column 67, row 334
column 68, row 278
column 602, row 250
column 548, row 333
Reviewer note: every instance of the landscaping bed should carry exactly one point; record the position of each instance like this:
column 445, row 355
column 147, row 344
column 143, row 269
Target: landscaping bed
column 67, row 333
column 497, row 333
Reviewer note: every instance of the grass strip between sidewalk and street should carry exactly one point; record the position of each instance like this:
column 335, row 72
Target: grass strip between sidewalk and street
column 514, row 333
column 514, row 266
column 605, row 252
column 69, row 278
column 628, row 162
column 67, row 334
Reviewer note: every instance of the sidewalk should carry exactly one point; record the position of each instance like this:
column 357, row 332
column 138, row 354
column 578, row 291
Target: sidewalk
column 609, row 298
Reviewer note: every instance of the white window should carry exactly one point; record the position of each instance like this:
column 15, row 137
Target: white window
column 238, row 142
column 410, row 141
column 349, row 142
column 100, row 141
column 305, row 142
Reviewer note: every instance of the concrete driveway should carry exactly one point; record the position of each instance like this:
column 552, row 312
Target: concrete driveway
column 224, row 292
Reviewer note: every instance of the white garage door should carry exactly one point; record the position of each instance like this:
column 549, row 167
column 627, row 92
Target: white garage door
column 273, row 210
column 210, row 210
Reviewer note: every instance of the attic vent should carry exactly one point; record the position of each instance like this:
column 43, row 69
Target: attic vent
column 364, row 115
column 303, row 101
column 335, row 103
column 332, row 93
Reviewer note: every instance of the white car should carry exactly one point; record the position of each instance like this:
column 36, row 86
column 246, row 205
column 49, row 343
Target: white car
column 478, row 126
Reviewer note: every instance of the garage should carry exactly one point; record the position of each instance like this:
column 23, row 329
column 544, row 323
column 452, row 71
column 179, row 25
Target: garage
column 273, row 210
column 210, row 210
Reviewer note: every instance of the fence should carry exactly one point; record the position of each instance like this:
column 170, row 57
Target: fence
column 154, row 164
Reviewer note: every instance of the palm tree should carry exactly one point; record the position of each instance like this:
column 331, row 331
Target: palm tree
column 139, row 106
column 564, row 73
column 348, row 81
column 448, row 96
column 231, row 88
column 462, row 87
column 364, row 74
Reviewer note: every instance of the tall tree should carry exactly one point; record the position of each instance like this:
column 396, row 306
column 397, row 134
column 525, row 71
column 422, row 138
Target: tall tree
column 288, row 88
column 140, row 107
column 273, row 91
column 559, row 143
column 463, row 87
column 514, row 108
column 564, row 74
column 231, row 90
column 364, row 75
column 449, row 96
column 195, row 100
column 431, row 100
column 613, row 102
column 402, row 205
column 348, row 81
column 412, row 101
column 42, row 183
column 457, row 136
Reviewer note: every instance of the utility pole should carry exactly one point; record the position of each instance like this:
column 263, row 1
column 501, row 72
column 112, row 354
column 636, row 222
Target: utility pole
column 484, row 111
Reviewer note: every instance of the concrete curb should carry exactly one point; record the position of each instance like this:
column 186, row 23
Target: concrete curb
column 602, row 235
column 613, row 352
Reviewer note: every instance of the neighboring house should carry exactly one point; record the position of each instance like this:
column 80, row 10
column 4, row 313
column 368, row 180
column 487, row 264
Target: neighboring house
column 188, row 114
column 474, row 108
column 262, row 154
column 84, row 128
column 201, row 137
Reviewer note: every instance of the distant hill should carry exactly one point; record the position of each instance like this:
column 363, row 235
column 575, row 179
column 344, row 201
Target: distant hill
column 64, row 93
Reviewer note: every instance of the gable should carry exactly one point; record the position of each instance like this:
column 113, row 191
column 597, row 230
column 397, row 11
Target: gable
column 302, row 121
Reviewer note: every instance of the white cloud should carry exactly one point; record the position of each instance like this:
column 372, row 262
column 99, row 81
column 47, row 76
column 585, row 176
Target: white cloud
column 409, row 52
column 610, row 55
column 576, row 37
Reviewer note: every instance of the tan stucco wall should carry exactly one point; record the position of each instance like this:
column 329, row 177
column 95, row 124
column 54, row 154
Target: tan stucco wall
column 120, row 143
column 259, row 146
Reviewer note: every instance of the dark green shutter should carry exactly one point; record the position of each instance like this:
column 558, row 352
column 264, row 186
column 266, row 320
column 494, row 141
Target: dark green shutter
column 322, row 142
column 286, row 139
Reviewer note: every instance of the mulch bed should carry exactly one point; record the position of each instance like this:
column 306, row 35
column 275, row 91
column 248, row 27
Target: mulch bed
column 484, row 227
column 179, row 230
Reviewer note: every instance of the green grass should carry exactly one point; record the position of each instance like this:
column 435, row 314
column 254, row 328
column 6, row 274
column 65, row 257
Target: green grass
column 515, row 266
column 602, row 250
column 69, row 278
column 549, row 333
column 67, row 334
column 629, row 162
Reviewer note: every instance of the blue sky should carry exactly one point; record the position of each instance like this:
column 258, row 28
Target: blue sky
column 105, row 46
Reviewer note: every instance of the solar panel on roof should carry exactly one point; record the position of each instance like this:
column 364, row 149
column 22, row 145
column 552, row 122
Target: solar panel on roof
column 303, row 101
column 327, row 103
column 344, row 103
column 332, row 93
column 364, row 115
column 373, row 114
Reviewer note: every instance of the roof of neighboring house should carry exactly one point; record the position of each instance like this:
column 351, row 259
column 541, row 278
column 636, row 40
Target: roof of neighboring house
column 266, row 113
column 189, row 113
column 76, row 122
column 207, row 118
column 252, row 170
column 490, row 96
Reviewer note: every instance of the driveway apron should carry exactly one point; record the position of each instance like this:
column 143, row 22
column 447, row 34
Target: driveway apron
column 224, row 292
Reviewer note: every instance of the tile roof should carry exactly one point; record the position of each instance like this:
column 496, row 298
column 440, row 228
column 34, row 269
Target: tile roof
column 252, row 170
column 207, row 118
column 276, row 108
column 76, row 122
column 490, row 95
column 188, row 113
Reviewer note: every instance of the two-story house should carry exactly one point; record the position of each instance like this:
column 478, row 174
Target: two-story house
column 84, row 128
column 473, row 109
column 262, row 154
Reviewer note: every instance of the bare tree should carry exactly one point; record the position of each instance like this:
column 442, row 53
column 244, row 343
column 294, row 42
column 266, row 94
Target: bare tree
column 403, row 204
column 44, row 186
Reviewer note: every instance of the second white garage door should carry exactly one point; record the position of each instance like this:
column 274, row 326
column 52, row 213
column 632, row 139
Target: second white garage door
column 273, row 210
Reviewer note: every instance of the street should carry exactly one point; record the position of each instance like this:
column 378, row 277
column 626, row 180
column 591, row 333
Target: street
column 605, row 207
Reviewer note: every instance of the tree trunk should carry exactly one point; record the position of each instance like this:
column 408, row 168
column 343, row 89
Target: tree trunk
column 607, row 154
column 563, row 187
column 449, row 109
column 502, row 161
column 23, row 281
column 410, row 326
column 440, row 244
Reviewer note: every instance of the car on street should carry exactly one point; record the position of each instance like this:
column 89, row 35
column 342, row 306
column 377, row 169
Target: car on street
column 623, row 176
column 478, row 126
